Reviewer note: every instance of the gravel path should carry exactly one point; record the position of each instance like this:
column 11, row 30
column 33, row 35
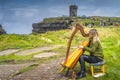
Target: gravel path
column 45, row 71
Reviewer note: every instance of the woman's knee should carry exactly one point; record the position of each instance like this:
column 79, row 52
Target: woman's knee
column 83, row 57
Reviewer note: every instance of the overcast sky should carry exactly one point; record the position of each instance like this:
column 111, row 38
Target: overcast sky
column 17, row 16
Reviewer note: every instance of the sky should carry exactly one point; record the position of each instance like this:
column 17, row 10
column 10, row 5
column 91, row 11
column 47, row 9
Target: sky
column 17, row 16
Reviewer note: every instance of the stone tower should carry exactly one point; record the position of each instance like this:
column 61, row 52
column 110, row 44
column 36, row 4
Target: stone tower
column 73, row 10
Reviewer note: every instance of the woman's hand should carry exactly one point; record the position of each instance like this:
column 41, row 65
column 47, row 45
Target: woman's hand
column 81, row 47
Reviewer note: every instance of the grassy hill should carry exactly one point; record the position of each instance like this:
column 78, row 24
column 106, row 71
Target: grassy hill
column 109, row 21
column 110, row 40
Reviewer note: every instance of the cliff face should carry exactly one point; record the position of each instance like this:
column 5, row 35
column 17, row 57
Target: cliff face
column 44, row 27
column 49, row 25
column 2, row 31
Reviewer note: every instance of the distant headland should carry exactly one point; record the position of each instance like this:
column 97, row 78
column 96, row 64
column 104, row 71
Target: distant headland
column 65, row 22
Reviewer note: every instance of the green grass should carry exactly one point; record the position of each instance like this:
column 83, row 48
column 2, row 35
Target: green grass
column 110, row 40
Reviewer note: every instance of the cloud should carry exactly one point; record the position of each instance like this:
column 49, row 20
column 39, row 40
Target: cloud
column 17, row 27
column 91, row 0
column 83, row 7
column 98, row 11
column 20, row 20
column 106, row 11
column 17, row 16
column 1, row 17
column 59, row 10
column 25, row 12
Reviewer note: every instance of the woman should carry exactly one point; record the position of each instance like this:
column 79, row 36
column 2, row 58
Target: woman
column 96, row 53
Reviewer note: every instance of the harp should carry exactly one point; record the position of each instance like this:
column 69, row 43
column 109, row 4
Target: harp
column 71, row 60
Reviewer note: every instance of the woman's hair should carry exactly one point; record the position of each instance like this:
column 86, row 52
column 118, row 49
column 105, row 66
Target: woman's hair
column 94, row 35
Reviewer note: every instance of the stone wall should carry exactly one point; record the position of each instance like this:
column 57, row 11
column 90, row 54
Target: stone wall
column 44, row 27
column 2, row 31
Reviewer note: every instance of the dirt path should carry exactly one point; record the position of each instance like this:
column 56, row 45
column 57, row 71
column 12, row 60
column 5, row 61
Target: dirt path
column 10, row 69
column 45, row 71
column 35, row 50
column 45, row 55
column 7, row 52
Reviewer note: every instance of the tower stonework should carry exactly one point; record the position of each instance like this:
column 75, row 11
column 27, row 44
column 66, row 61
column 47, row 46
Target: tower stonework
column 73, row 10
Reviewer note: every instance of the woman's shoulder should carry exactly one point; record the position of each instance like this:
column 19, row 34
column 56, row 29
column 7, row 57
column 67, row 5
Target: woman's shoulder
column 97, row 42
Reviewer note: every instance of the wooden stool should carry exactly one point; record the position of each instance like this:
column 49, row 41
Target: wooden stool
column 97, row 64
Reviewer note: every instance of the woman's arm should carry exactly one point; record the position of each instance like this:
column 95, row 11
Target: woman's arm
column 93, row 48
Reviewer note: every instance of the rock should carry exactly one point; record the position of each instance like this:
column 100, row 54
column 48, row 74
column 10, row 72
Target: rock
column 44, row 27
column 2, row 31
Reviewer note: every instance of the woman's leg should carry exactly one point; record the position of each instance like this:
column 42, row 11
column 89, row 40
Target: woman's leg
column 89, row 59
column 82, row 73
column 82, row 60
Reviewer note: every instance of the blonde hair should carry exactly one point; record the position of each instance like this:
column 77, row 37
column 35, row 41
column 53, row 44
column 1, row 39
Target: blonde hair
column 94, row 35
